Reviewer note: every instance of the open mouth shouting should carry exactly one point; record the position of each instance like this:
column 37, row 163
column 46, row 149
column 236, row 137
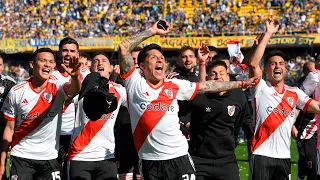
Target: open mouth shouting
column 277, row 73
column 46, row 71
column 159, row 69
column 100, row 69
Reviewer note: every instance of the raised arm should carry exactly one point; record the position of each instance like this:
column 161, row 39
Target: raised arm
column 218, row 86
column 248, row 56
column 73, row 87
column 126, row 46
column 255, row 59
column 203, row 54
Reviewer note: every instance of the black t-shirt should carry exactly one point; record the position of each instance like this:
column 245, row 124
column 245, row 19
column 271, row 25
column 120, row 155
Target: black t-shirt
column 215, row 123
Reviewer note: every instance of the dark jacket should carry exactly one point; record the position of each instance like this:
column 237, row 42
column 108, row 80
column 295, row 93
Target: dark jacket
column 6, row 83
column 214, row 122
column 180, row 73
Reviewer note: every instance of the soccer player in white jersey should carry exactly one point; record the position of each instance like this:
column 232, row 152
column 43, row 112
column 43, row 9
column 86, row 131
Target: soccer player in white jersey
column 153, row 108
column 91, row 151
column 32, row 109
column 274, row 105
column 311, row 87
column 68, row 48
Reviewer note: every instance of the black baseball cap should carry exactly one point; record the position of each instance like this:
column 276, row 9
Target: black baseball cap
column 97, row 99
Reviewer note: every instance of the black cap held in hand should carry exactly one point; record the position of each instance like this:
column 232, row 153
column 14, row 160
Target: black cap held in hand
column 97, row 99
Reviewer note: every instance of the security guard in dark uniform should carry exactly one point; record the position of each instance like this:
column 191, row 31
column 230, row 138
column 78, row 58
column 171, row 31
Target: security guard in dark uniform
column 185, row 70
column 214, row 120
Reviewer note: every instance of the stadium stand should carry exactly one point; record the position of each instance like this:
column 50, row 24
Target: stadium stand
column 106, row 18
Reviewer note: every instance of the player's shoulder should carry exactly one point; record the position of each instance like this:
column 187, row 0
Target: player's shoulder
column 173, row 75
column 19, row 86
column 116, row 85
column 292, row 88
column 7, row 78
column 53, row 78
column 312, row 76
column 55, row 73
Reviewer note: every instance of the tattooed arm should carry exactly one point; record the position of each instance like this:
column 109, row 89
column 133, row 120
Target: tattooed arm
column 219, row 86
column 126, row 46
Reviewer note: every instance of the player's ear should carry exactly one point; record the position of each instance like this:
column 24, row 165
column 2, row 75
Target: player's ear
column 31, row 64
column 141, row 65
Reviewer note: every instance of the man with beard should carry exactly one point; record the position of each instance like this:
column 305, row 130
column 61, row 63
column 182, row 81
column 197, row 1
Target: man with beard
column 185, row 70
column 68, row 48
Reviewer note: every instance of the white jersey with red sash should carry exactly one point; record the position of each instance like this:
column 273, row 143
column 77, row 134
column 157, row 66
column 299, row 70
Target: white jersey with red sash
column 311, row 87
column 94, row 140
column 68, row 115
column 36, row 116
column 154, row 116
column 274, row 118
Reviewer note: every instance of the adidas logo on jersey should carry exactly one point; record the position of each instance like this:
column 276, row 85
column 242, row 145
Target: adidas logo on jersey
column 25, row 101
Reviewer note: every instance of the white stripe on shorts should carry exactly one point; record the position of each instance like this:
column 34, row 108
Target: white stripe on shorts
column 318, row 161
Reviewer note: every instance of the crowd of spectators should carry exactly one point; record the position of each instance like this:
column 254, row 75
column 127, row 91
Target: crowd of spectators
column 79, row 18
column 224, row 17
column 105, row 18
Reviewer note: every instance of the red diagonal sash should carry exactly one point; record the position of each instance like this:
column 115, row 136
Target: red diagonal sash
column 274, row 120
column 36, row 116
column 309, row 130
column 89, row 131
column 150, row 118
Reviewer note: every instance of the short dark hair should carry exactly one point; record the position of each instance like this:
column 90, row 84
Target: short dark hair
column 212, row 48
column 68, row 40
column 35, row 53
column 305, row 67
column 215, row 64
column 99, row 53
column 184, row 48
column 144, row 52
column 85, row 55
column 272, row 54
column 220, row 57
column 137, row 49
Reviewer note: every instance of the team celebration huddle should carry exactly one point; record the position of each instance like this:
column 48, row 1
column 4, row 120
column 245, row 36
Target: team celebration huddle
column 82, row 118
